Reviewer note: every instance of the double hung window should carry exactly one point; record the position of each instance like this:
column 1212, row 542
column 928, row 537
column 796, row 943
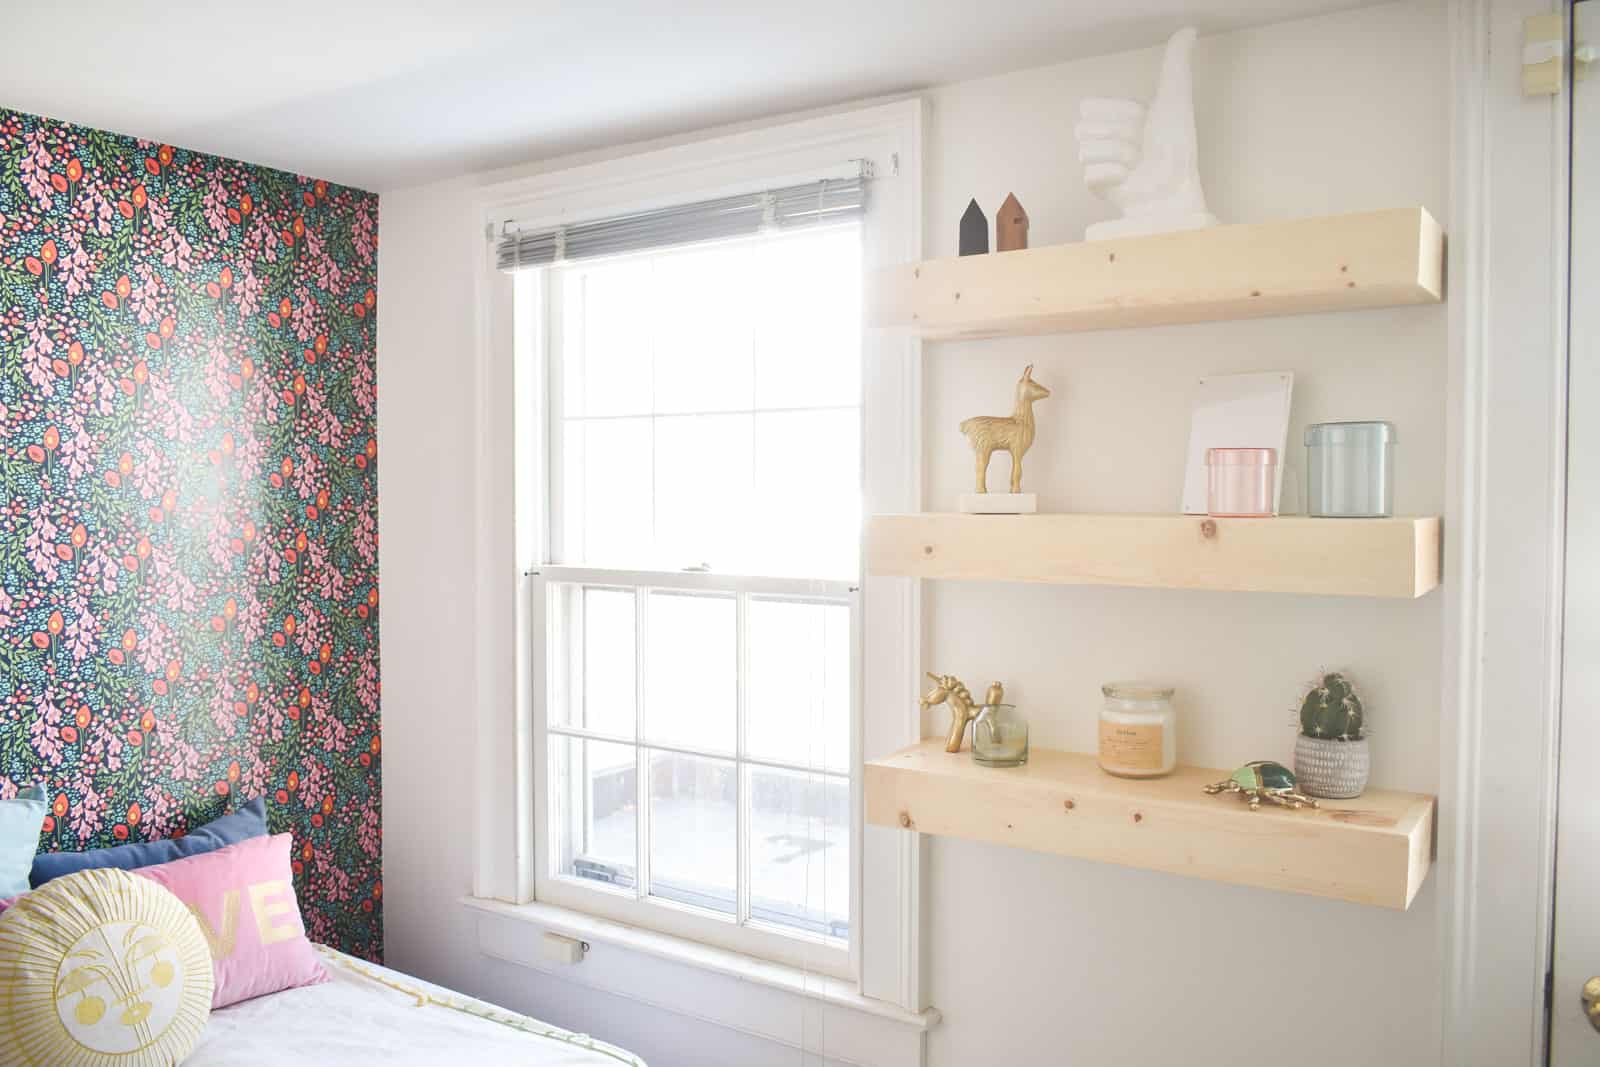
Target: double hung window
column 698, row 599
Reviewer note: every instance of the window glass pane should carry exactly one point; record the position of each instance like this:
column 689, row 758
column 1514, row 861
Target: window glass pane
column 807, row 510
column 691, row 660
column 606, row 513
column 799, row 683
column 693, row 831
column 703, row 491
column 704, row 330
column 800, row 851
column 808, row 320
column 608, row 661
column 594, row 792
column 606, row 339
column 704, row 345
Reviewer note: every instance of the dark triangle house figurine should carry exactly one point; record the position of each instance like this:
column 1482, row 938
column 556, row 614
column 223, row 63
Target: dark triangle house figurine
column 974, row 231
column 1011, row 226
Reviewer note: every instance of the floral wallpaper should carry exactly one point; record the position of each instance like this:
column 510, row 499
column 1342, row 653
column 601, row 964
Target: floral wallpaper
column 188, row 539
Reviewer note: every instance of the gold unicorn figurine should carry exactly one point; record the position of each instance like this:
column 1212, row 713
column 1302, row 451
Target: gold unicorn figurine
column 1012, row 433
column 947, row 688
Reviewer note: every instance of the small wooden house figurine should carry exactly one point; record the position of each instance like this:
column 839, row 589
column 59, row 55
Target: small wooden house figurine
column 974, row 231
column 1011, row 226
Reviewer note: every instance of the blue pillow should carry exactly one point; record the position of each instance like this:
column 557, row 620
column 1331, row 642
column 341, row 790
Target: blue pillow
column 249, row 821
column 20, row 822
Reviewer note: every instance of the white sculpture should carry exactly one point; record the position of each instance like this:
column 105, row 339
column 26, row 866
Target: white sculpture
column 1144, row 160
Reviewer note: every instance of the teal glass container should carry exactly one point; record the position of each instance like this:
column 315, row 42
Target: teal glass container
column 1350, row 470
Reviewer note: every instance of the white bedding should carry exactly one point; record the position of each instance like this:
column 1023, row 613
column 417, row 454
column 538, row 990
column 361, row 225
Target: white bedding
column 371, row 1015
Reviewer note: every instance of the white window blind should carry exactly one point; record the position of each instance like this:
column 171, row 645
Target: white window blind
column 792, row 207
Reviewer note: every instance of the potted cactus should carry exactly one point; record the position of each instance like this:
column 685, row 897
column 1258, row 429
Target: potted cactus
column 1331, row 758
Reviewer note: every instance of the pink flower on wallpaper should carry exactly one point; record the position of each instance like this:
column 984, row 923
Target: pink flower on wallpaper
column 93, row 212
column 246, row 290
column 34, row 169
column 77, row 450
column 175, row 252
column 39, row 546
column 367, row 684
column 215, row 206
column 36, row 362
column 334, row 880
column 330, row 733
column 369, row 832
column 305, row 318
column 146, row 295
column 80, row 633
column 76, row 270
column 221, row 707
column 45, row 732
column 88, row 814
column 315, row 783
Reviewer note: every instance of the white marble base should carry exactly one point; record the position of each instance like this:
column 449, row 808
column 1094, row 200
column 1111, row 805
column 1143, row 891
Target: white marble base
column 999, row 503
column 1145, row 225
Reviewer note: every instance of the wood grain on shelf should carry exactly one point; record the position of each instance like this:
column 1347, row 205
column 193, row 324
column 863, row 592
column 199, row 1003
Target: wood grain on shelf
column 1333, row 263
column 1376, row 849
column 1397, row 557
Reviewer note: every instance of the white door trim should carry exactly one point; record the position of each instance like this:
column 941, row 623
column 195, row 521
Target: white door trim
column 1504, row 537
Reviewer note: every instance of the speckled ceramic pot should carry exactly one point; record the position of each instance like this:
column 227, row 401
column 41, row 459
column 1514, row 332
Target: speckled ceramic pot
column 1336, row 770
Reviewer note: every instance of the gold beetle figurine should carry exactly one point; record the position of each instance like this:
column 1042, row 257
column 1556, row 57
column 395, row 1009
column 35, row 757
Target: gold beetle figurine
column 1264, row 780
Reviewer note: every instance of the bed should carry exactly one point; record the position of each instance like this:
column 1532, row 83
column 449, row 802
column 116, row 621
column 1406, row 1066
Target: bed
column 369, row 1014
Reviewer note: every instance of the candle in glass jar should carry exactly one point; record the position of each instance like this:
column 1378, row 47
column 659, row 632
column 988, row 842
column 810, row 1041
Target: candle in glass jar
column 1138, row 730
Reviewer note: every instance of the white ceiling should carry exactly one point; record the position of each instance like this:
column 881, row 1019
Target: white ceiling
column 386, row 93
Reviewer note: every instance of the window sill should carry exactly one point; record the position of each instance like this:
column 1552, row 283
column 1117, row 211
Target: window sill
column 717, row 962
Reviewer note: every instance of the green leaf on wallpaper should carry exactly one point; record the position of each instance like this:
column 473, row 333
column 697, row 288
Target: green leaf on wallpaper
column 106, row 151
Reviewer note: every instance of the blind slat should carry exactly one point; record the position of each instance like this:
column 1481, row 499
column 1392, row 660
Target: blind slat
column 819, row 203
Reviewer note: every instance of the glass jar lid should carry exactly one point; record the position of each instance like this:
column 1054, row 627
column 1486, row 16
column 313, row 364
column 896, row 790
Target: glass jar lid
column 1141, row 692
column 1368, row 433
column 1241, row 457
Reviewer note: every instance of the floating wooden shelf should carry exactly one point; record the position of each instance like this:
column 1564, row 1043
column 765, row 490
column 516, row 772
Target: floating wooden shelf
column 1288, row 554
column 1375, row 849
column 1336, row 263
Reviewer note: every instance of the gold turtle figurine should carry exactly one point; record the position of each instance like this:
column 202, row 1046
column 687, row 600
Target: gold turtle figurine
column 1264, row 780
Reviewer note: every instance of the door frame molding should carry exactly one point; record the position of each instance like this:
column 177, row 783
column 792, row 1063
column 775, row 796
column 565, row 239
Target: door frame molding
column 1505, row 523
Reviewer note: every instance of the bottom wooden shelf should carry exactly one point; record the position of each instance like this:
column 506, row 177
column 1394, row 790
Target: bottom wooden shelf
column 1376, row 849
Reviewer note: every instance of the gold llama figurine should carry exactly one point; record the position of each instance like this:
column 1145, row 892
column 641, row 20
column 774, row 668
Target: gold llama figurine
column 947, row 688
column 1010, row 433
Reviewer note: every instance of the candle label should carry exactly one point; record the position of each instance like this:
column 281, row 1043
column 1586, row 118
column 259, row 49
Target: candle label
column 1137, row 748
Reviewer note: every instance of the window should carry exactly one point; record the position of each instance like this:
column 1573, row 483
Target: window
column 699, row 599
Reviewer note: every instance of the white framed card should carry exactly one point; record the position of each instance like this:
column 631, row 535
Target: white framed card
column 1236, row 411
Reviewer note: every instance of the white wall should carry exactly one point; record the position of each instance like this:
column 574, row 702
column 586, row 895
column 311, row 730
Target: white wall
column 1031, row 958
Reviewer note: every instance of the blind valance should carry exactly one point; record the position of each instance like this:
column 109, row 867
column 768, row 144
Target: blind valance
column 817, row 203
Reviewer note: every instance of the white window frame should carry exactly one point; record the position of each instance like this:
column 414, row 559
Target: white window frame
column 884, row 959
column 635, row 906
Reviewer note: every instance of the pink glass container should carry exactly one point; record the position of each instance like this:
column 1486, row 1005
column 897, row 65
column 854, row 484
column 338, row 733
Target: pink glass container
column 1240, row 481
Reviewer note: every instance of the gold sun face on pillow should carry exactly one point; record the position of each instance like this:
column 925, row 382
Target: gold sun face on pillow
column 98, row 968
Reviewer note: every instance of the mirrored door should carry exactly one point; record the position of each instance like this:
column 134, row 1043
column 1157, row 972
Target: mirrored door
column 1575, row 977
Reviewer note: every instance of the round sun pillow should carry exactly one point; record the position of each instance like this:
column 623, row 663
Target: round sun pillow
column 101, row 968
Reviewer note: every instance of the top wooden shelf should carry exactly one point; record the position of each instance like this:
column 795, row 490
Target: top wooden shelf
column 1335, row 263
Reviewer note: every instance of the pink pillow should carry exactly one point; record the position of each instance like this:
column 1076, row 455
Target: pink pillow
column 243, row 897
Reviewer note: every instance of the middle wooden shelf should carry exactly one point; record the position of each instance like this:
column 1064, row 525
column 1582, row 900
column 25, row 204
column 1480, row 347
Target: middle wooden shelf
column 1394, row 557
